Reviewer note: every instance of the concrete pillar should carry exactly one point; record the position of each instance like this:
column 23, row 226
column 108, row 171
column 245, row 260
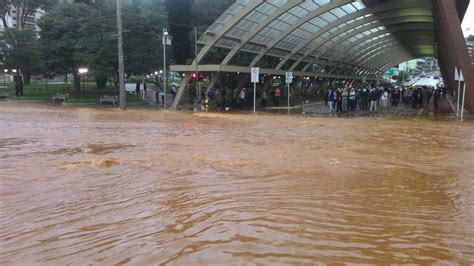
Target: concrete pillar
column 182, row 87
column 452, row 49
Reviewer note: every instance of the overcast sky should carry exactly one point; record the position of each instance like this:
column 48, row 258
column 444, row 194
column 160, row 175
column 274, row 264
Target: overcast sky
column 468, row 22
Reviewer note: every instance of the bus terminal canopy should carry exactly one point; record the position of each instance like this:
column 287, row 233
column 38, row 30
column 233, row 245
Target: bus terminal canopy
column 322, row 37
column 341, row 39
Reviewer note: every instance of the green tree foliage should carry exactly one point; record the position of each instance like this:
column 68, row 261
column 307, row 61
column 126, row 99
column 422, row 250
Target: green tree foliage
column 20, row 48
column 63, row 32
column 143, row 24
column 180, row 12
column 24, row 8
column 207, row 11
column 85, row 35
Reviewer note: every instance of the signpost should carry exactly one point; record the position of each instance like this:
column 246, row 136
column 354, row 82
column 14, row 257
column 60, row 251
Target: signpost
column 457, row 78
column 255, row 73
column 289, row 80
column 461, row 79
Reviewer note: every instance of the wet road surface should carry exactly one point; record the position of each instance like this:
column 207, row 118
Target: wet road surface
column 100, row 186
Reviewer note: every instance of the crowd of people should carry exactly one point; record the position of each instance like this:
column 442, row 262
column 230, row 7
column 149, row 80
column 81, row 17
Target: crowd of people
column 241, row 98
column 372, row 98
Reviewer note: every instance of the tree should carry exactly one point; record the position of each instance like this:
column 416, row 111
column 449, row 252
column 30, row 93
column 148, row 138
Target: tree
column 20, row 48
column 143, row 24
column 24, row 9
column 63, row 31
column 5, row 7
column 180, row 12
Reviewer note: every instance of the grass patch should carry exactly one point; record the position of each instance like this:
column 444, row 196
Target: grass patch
column 43, row 92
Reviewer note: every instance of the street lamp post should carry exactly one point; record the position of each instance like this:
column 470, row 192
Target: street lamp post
column 195, row 56
column 165, row 73
column 5, row 78
column 83, row 72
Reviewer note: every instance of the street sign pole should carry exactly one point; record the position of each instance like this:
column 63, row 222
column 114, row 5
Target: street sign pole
column 289, row 80
column 457, row 78
column 463, row 99
column 255, row 72
column 461, row 78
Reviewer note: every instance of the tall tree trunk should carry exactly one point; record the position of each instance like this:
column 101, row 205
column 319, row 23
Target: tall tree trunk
column 27, row 77
column 77, row 82
column 101, row 81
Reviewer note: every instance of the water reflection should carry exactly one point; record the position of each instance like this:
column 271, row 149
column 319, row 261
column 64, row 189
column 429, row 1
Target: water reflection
column 147, row 187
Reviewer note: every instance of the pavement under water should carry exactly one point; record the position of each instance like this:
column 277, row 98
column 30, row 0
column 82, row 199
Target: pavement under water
column 101, row 186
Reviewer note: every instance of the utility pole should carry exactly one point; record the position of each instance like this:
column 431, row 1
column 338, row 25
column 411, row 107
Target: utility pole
column 120, row 57
column 195, row 56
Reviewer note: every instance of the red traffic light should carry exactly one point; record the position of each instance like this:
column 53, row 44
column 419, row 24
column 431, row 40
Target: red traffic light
column 193, row 76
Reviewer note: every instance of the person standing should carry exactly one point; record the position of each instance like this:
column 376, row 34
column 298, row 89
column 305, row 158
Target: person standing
column 436, row 96
column 373, row 97
column 338, row 101
column 144, row 89
column 263, row 103
column 330, row 100
column 242, row 97
column 276, row 96
column 137, row 88
column 352, row 99
column 345, row 99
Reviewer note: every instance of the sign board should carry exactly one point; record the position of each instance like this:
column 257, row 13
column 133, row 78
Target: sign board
column 167, row 40
column 289, row 77
column 456, row 74
column 255, row 72
column 461, row 76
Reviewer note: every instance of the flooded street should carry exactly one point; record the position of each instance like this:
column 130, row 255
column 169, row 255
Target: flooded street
column 101, row 186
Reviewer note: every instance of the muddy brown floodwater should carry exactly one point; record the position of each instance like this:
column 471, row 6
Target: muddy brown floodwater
column 99, row 186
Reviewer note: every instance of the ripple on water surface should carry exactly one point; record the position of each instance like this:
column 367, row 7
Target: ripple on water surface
column 145, row 187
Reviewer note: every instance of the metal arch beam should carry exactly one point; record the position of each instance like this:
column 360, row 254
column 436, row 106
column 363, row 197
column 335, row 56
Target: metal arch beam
column 385, row 8
column 361, row 60
column 404, row 28
column 227, row 26
column 329, row 27
column 321, row 10
column 377, row 42
column 368, row 37
column 375, row 54
column 383, row 48
column 405, row 38
column 280, row 11
column 391, row 60
column 386, row 60
column 386, row 56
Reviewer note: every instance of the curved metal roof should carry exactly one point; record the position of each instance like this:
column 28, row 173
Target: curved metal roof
column 338, row 36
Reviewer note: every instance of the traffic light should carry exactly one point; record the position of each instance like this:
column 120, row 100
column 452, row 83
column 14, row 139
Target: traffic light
column 193, row 76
